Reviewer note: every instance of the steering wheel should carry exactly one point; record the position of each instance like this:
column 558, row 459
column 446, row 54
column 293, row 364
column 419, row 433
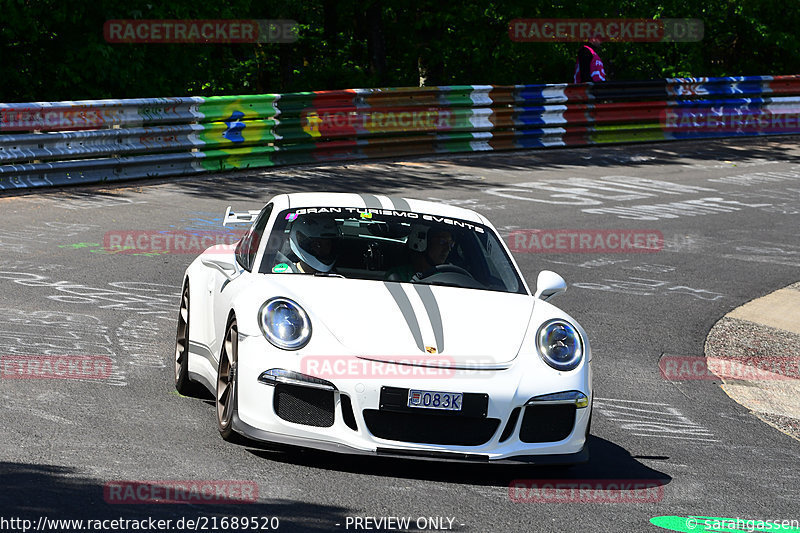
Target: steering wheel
column 442, row 269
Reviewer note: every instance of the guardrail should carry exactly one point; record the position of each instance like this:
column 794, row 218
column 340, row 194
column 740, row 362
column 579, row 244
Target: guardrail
column 61, row 143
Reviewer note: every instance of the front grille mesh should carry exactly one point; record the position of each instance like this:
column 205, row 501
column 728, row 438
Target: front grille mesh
column 304, row 405
column 430, row 429
column 547, row 423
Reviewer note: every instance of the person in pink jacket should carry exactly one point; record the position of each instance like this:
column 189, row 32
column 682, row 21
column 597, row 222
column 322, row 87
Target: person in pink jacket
column 589, row 66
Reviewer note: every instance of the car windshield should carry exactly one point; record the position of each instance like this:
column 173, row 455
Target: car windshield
column 392, row 246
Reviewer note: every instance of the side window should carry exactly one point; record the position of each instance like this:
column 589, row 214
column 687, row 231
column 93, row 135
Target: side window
column 500, row 266
column 248, row 247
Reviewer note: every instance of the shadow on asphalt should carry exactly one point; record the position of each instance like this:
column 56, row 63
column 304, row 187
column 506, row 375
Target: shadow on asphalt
column 464, row 171
column 31, row 491
column 441, row 171
column 608, row 461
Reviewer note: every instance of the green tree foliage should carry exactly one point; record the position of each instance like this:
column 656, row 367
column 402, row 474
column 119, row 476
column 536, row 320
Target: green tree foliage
column 55, row 49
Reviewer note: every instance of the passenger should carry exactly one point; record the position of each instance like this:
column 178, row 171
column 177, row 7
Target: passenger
column 429, row 248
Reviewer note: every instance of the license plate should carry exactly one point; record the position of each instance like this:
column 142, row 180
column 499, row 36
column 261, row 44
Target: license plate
column 428, row 399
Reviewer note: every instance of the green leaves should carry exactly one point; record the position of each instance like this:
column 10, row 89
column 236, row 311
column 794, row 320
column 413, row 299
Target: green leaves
column 54, row 50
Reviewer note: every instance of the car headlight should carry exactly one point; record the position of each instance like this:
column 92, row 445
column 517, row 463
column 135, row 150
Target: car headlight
column 559, row 344
column 284, row 323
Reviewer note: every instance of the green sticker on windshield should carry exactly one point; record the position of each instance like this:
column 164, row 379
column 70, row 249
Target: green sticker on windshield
column 280, row 267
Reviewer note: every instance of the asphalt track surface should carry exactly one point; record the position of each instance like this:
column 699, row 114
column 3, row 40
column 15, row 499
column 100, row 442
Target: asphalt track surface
column 64, row 294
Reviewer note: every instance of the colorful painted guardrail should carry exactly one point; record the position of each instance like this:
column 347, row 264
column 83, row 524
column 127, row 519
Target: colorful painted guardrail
column 61, row 143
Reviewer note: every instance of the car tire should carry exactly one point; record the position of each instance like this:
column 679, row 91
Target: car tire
column 183, row 384
column 227, row 383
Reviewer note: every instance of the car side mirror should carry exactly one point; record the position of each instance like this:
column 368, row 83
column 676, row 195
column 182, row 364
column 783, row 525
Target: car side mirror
column 549, row 284
column 226, row 269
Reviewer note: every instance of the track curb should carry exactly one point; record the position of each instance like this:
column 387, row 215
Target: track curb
column 761, row 333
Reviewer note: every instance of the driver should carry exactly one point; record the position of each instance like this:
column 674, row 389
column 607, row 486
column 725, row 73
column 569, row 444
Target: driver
column 430, row 248
column 314, row 241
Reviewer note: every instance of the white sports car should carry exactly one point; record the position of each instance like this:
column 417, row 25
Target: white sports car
column 376, row 325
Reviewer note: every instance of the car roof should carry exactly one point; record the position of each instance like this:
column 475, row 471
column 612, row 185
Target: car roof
column 377, row 201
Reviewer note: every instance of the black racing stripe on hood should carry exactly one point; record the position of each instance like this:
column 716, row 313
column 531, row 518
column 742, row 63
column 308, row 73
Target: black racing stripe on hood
column 399, row 204
column 404, row 304
column 371, row 201
column 434, row 314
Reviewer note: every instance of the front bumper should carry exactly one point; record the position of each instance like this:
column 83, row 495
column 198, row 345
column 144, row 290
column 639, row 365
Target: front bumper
column 351, row 414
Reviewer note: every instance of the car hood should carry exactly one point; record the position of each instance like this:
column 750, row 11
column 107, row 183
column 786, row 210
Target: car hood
column 416, row 323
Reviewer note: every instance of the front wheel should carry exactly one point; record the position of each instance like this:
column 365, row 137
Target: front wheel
column 227, row 382
column 182, row 382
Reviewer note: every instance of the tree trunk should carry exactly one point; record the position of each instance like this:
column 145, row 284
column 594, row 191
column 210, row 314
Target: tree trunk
column 376, row 46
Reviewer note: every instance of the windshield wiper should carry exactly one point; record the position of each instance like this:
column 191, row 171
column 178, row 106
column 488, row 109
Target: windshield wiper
column 444, row 284
column 328, row 275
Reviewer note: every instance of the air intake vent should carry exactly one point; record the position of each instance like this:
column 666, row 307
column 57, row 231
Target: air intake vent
column 304, row 405
column 512, row 423
column 347, row 412
column 547, row 423
column 430, row 429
